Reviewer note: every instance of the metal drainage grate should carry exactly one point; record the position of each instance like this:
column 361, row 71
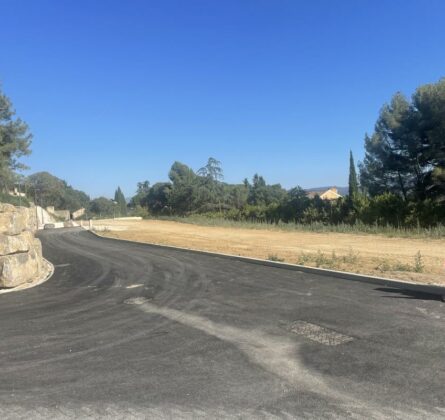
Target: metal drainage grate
column 319, row 334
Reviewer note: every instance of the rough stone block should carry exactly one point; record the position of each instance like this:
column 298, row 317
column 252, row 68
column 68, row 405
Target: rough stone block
column 20, row 253
column 6, row 208
column 13, row 223
column 18, row 243
column 37, row 245
column 17, row 269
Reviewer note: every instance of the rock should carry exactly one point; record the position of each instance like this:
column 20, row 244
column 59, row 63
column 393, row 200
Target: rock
column 13, row 223
column 21, row 258
column 26, row 216
column 6, row 208
column 32, row 219
column 21, row 268
column 18, row 243
column 37, row 245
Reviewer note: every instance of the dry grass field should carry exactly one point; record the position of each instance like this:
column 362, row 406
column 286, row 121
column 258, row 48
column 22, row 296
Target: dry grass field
column 420, row 260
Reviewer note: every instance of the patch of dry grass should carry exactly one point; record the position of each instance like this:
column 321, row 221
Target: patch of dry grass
column 413, row 259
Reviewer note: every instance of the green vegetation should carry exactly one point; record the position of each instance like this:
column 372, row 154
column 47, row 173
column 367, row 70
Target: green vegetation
column 434, row 232
column 16, row 201
column 354, row 190
column 102, row 207
column 15, row 141
column 418, row 263
column 335, row 262
column 47, row 190
column 401, row 190
column 417, row 266
column 323, row 260
column 274, row 257
column 121, row 203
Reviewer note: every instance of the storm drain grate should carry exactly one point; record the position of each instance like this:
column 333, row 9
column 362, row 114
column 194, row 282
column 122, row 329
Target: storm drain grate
column 319, row 334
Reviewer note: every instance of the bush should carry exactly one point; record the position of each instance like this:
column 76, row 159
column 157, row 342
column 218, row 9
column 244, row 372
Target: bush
column 15, row 201
column 274, row 257
column 139, row 211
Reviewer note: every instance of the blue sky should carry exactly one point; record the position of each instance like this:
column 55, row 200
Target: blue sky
column 115, row 91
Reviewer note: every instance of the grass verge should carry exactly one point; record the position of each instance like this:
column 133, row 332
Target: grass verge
column 435, row 232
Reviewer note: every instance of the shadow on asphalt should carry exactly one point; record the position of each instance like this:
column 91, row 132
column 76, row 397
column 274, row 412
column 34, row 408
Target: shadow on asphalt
column 408, row 294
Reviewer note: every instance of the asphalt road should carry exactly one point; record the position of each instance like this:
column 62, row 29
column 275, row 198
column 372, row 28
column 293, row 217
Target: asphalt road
column 134, row 331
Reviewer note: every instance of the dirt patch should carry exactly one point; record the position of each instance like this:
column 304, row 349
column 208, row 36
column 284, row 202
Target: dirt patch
column 420, row 260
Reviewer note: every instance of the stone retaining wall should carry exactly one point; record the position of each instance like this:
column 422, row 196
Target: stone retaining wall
column 21, row 258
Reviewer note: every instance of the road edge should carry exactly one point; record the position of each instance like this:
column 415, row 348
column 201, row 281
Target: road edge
column 48, row 273
column 432, row 289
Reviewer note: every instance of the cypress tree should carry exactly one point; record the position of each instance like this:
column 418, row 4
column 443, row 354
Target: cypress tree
column 353, row 182
column 119, row 198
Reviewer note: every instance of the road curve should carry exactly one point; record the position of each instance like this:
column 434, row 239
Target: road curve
column 127, row 330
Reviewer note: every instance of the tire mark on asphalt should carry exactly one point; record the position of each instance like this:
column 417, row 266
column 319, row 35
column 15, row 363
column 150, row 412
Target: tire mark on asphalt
column 277, row 355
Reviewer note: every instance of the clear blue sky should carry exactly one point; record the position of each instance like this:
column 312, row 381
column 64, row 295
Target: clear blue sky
column 115, row 91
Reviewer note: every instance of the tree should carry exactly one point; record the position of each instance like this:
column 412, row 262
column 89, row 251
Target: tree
column 388, row 165
column 211, row 191
column 15, row 141
column 143, row 187
column 158, row 197
column 406, row 153
column 298, row 201
column 429, row 103
column 257, row 193
column 48, row 190
column 119, row 198
column 261, row 194
column 237, row 195
column 102, row 207
column 353, row 182
column 183, row 195
column 212, row 170
column 140, row 199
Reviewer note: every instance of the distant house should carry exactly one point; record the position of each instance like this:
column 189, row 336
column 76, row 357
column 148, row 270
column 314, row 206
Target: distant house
column 16, row 193
column 329, row 194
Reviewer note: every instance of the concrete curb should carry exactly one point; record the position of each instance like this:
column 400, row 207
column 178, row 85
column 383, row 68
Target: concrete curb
column 381, row 281
column 48, row 274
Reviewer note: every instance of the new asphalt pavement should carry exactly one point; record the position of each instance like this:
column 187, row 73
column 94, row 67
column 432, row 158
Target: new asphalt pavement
column 126, row 330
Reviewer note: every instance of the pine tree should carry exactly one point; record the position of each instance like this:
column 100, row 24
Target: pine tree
column 353, row 182
column 15, row 141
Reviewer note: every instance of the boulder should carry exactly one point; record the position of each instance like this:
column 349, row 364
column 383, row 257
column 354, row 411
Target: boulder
column 20, row 252
column 22, row 242
column 6, row 208
column 30, row 217
column 37, row 246
column 17, row 269
column 13, row 223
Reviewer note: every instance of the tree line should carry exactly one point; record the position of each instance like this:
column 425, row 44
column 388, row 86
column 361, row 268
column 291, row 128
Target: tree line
column 400, row 182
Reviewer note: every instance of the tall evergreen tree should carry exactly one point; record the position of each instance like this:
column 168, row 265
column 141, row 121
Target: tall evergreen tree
column 119, row 198
column 15, row 141
column 406, row 153
column 353, row 182
column 212, row 170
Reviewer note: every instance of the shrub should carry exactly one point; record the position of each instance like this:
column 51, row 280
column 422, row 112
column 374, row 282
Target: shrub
column 418, row 263
column 274, row 257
